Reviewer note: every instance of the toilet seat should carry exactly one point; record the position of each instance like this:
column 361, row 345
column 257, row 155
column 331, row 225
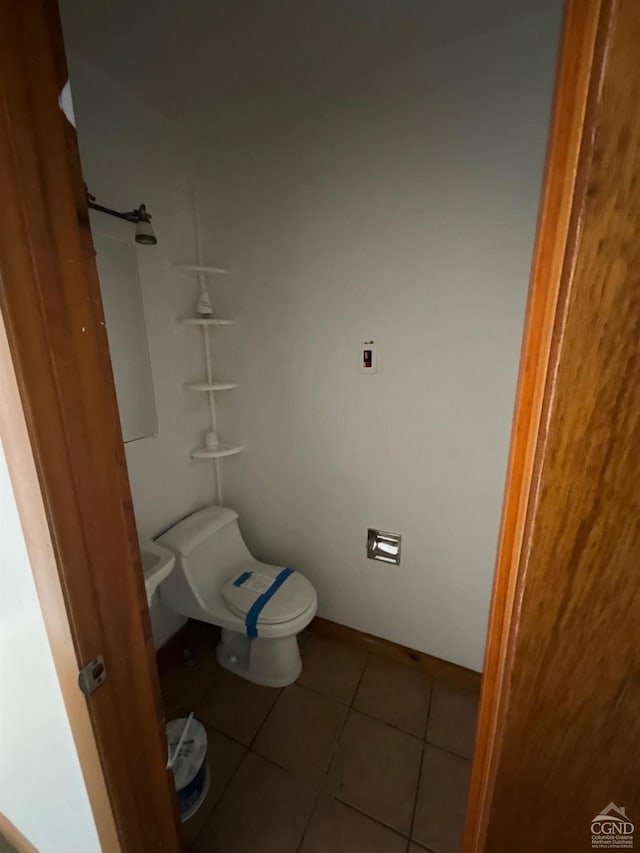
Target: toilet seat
column 291, row 598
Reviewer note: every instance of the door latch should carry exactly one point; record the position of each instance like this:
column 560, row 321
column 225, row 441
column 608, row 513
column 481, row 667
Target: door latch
column 92, row 675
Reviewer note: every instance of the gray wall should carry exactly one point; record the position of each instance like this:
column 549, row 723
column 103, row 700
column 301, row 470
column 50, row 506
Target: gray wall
column 370, row 170
column 387, row 192
column 131, row 154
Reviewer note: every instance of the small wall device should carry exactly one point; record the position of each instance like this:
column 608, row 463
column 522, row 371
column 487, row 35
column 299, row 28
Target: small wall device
column 383, row 545
column 368, row 357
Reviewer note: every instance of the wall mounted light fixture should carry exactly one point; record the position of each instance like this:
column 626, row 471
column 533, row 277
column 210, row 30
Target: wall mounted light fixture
column 142, row 219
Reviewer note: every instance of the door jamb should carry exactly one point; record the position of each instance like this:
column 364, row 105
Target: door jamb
column 579, row 64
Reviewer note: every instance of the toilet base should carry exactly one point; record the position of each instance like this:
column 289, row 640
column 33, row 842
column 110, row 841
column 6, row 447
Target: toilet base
column 271, row 662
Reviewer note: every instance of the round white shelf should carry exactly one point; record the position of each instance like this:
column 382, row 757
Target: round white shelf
column 221, row 450
column 199, row 269
column 210, row 386
column 205, row 321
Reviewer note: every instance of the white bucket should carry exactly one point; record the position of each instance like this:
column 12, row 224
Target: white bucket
column 189, row 766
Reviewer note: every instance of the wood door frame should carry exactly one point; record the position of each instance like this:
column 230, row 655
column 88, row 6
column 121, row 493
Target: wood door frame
column 52, row 311
column 50, row 301
column 581, row 60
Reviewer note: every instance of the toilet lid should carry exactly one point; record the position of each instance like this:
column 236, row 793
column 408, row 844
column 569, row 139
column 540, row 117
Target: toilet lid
column 291, row 598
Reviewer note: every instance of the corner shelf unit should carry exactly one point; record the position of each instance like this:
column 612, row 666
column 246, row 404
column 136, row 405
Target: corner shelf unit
column 208, row 386
column 205, row 321
column 220, row 451
column 200, row 269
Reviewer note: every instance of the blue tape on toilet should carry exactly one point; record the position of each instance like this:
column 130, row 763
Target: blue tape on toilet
column 256, row 608
column 242, row 578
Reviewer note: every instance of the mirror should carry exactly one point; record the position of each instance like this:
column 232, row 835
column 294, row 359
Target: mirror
column 117, row 262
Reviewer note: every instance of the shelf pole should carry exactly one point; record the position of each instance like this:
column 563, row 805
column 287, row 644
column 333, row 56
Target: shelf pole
column 207, row 344
column 209, row 365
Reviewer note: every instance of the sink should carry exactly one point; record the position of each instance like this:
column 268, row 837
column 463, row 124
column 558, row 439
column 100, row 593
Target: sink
column 157, row 564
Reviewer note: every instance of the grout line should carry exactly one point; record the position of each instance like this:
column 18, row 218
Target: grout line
column 280, row 767
column 218, row 800
column 311, row 813
column 235, row 772
column 220, row 796
column 266, row 717
column 448, row 751
column 250, row 748
column 370, row 817
column 319, row 790
column 351, row 707
column 364, row 669
column 200, row 694
column 320, row 693
column 429, row 704
column 415, row 800
column 322, row 785
column 424, row 749
column 287, row 770
column 247, row 751
column 385, row 723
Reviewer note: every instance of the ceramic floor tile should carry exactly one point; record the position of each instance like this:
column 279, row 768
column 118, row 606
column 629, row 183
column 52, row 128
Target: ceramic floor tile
column 452, row 719
column 376, row 769
column 417, row 848
column 202, row 638
column 236, row 707
column 442, row 801
column 331, row 668
column 188, row 677
column 301, row 732
column 223, row 758
column 395, row 693
column 184, row 685
column 173, row 712
column 337, row 828
column 264, row 809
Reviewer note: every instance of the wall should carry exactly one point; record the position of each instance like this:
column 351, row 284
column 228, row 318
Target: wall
column 42, row 791
column 388, row 192
column 131, row 154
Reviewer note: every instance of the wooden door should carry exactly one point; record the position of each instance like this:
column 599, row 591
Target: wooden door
column 558, row 736
column 559, row 730
column 51, row 307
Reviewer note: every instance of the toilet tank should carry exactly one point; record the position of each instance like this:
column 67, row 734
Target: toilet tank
column 209, row 548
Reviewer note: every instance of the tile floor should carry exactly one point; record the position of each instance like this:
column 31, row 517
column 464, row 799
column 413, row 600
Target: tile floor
column 360, row 756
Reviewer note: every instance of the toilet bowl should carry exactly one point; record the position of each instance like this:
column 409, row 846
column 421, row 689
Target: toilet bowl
column 260, row 608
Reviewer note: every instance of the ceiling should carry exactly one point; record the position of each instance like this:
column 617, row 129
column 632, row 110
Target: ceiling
column 196, row 61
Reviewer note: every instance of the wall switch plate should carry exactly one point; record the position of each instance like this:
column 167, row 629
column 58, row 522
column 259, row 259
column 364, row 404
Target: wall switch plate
column 384, row 546
column 368, row 357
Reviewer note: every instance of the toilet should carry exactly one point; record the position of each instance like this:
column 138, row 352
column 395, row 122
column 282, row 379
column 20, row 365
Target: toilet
column 260, row 608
